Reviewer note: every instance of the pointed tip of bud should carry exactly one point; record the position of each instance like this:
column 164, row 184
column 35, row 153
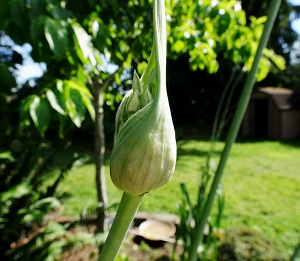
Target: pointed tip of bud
column 144, row 151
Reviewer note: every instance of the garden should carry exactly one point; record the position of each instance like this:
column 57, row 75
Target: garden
column 127, row 144
column 261, row 187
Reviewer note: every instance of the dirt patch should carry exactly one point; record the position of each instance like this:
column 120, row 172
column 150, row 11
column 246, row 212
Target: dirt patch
column 89, row 253
column 134, row 247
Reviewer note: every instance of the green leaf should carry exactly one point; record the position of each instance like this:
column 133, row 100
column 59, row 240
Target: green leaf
column 78, row 87
column 278, row 60
column 57, row 36
column 24, row 110
column 16, row 191
column 84, row 47
column 89, row 105
column 80, row 75
column 40, row 112
column 56, row 100
column 101, row 35
column 61, row 126
column 74, row 103
column 224, row 22
column 112, row 98
column 263, row 69
column 86, row 97
column 7, row 156
column 259, row 20
column 178, row 46
column 46, row 205
column 60, row 13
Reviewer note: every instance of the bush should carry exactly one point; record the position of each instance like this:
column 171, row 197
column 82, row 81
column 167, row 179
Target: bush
column 28, row 203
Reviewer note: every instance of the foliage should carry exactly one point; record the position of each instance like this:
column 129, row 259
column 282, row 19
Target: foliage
column 89, row 215
column 50, row 243
column 86, row 49
column 189, row 213
column 282, row 36
column 67, row 98
column 282, row 40
column 28, row 201
column 98, row 39
column 207, row 30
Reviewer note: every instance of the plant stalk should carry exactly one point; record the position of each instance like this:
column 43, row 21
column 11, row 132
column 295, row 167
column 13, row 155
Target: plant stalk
column 128, row 207
column 234, row 128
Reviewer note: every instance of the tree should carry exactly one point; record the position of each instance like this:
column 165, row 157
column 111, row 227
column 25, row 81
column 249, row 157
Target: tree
column 78, row 42
column 90, row 46
column 215, row 40
column 282, row 40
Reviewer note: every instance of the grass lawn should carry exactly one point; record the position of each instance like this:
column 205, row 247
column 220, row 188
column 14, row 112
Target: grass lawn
column 261, row 182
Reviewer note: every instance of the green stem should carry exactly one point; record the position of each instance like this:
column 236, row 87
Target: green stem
column 128, row 207
column 235, row 125
column 295, row 254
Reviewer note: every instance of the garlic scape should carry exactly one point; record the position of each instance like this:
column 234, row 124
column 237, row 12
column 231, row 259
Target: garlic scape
column 144, row 151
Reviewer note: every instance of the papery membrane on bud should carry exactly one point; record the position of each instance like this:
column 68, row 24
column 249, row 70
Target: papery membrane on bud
column 144, row 151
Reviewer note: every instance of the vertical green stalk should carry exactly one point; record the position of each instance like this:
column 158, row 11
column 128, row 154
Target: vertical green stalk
column 128, row 207
column 144, row 150
column 235, row 125
column 296, row 253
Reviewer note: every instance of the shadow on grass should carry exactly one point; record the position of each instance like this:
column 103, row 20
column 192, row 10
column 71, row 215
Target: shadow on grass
column 288, row 142
column 292, row 142
column 197, row 152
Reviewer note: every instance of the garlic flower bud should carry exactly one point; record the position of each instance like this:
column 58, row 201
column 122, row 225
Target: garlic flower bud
column 144, row 151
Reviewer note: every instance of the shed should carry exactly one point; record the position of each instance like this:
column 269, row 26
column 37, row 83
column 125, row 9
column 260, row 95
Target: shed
column 273, row 113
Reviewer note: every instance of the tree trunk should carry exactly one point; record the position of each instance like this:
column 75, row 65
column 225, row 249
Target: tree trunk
column 99, row 158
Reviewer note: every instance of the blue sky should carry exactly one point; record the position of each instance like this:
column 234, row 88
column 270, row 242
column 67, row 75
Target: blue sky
column 28, row 69
column 294, row 2
column 296, row 23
